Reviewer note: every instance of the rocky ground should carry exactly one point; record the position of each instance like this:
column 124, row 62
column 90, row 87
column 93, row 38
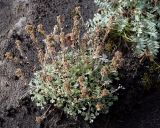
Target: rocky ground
column 16, row 109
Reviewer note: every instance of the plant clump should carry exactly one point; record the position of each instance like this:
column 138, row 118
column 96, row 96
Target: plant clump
column 76, row 74
column 136, row 22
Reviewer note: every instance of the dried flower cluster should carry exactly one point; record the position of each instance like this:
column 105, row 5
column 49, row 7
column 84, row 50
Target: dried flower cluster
column 19, row 73
column 117, row 60
column 8, row 55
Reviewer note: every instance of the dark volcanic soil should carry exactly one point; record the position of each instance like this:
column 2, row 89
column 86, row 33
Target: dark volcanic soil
column 17, row 111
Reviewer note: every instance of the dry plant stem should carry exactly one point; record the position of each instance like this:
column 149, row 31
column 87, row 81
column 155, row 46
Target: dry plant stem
column 60, row 21
column 62, row 40
column 19, row 47
column 55, row 29
column 83, row 44
column 78, row 12
column 41, row 118
column 76, row 31
column 45, row 113
column 40, row 29
column 50, row 47
column 30, row 29
column 41, row 56
column 105, row 36
column 107, row 30
column 146, row 56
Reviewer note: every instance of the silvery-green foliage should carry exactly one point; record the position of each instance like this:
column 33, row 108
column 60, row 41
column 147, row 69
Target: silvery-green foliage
column 74, row 103
column 136, row 21
column 145, row 29
column 109, row 9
